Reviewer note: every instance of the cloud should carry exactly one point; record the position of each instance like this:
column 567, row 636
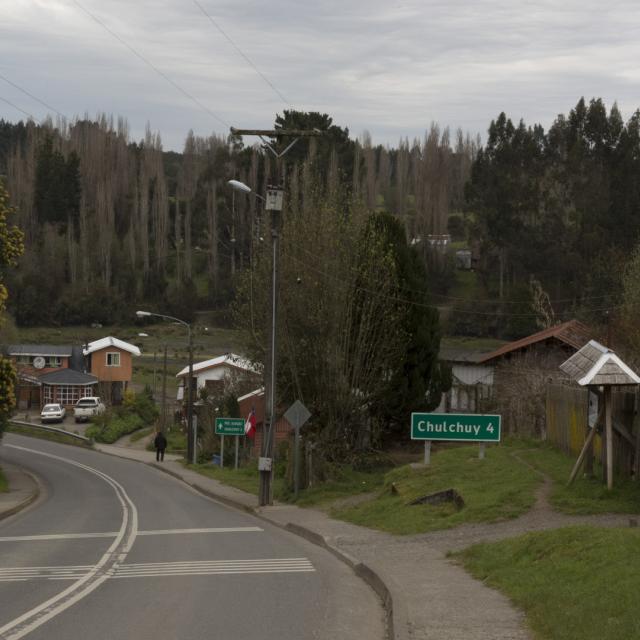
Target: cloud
column 390, row 67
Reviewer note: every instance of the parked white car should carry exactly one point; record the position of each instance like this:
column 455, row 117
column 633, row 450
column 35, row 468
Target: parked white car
column 88, row 407
column 52, row 413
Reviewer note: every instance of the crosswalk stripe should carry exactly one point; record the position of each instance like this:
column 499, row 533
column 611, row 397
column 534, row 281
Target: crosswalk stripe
column 113, row 534
column 163, row 569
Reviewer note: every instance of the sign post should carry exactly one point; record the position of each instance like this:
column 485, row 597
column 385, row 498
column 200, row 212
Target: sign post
column 237, row 446
column 296, row 415
column 228, row 427
column 450, row 427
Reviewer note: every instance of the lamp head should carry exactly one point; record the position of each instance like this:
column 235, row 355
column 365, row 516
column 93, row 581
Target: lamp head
column 143, row 314
column 239, row 186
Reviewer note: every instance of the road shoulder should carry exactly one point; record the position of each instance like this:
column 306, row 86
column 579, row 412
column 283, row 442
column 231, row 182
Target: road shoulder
column 24, row 490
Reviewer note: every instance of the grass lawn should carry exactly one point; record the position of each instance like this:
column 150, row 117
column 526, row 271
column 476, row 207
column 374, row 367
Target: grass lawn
column 496, row 488
column 345, row 483
column 4, row 486
column 577, row 583
column 585, row 495
column 207, row 341
column 245, row 478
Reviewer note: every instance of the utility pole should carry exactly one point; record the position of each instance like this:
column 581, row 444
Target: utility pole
column 273, row 203
column 164, row 391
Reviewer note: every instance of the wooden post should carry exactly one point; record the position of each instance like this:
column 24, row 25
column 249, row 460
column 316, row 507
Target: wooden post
column 636, row 460
column 427, row 453
column 609, row 435
column 586, row 448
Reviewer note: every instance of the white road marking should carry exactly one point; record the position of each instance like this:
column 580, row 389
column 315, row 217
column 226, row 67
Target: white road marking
column 113, row 534
column 98, row 573
column 163, row 569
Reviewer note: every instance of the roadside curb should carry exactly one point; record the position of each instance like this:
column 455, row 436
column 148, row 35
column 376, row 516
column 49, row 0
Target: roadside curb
column 30, row 499
column 362, row 570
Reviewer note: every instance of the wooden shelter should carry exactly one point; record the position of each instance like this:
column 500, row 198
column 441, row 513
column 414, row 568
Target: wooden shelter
column 594, row 365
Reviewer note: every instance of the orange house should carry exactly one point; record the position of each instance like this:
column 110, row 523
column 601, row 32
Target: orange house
column 110, row 360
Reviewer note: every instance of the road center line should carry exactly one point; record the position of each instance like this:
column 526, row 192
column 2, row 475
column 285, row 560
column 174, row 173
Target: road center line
column 114, row 556
column 113, row 534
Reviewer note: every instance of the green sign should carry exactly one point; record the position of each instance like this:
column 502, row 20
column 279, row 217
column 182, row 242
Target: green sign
column 229, row 426
column 465, row 427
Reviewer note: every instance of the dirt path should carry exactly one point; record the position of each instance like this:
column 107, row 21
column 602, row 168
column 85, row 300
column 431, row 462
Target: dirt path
column 540, row 517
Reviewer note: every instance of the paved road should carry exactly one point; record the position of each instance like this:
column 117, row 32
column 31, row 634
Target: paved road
column 116, row 549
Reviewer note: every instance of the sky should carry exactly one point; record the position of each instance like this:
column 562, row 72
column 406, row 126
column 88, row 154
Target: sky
column 386, row 67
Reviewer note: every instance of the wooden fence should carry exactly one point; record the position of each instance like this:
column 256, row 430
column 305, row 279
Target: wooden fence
column 567, row 424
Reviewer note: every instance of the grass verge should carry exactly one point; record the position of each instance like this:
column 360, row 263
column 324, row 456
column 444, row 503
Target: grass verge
column 46, row 435
column 141, row 433
column 4, row 485
column 585, row 495
column 496, row 488
column 344, row 483
column 577, row 583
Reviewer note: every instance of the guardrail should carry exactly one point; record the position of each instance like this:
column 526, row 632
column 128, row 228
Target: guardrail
column 43, row 427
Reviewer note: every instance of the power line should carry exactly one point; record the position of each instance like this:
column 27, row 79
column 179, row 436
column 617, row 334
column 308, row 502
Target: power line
column 241, row 53
column 42, row 102
column 17, row 108
column 150, row 64
column 400, row 300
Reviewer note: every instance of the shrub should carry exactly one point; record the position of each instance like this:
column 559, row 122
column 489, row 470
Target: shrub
column 116, row 427
column 137, row 411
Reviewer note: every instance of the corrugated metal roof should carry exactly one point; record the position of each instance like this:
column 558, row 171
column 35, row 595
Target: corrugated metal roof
column 228, row 358
column 109, row 341
column 595, row 364
column 38, row 350
column 573, row 333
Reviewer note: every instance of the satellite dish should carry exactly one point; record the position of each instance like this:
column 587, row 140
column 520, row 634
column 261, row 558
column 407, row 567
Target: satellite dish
column 39, row 362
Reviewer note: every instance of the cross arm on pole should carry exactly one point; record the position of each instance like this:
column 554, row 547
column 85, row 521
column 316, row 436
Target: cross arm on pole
column 276, row 133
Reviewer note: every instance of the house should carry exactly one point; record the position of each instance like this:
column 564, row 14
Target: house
column 255, row 401
column 216, row 374
column 471, row 381
column 555, row 343
column 110, row 361
column 64, row 374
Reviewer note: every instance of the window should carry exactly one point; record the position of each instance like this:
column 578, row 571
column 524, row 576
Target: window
column 23, row 359
column 113, row 359
column 53, row 362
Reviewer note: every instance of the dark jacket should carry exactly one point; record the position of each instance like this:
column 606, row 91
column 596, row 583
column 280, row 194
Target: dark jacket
column 160, row 441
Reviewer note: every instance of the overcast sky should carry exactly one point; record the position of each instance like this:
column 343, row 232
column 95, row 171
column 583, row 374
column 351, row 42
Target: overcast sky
column 390, row 67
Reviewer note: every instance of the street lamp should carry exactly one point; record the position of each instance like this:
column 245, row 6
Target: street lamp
column 191, row 436
column 273, row 203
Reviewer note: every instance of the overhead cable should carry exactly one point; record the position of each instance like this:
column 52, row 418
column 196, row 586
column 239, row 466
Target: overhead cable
column 17, row 108
column 174, row 84
column 241, row 53
column 42, row 102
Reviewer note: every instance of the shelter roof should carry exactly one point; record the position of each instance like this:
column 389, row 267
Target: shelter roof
column 572, row 333
column 67, row 376
column 228, row 359
column 38, row 350
column 105, row 343
column 595, row 364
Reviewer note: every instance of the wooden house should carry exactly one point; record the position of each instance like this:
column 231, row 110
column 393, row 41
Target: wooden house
column 110, row 360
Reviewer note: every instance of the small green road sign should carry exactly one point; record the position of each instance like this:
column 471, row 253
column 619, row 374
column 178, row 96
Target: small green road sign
column 464, row 427
column 229, row 426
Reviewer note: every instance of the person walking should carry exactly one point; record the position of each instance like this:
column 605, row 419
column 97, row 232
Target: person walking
column 160, row 443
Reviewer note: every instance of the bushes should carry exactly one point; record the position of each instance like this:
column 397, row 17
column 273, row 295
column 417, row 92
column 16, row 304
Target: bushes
column 114, row 427
column 137, row 411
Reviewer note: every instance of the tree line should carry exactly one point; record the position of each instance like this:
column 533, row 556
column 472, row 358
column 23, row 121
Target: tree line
column 110, row 223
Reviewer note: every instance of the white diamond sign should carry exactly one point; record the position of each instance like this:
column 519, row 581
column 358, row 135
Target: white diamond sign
column 297, row 414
